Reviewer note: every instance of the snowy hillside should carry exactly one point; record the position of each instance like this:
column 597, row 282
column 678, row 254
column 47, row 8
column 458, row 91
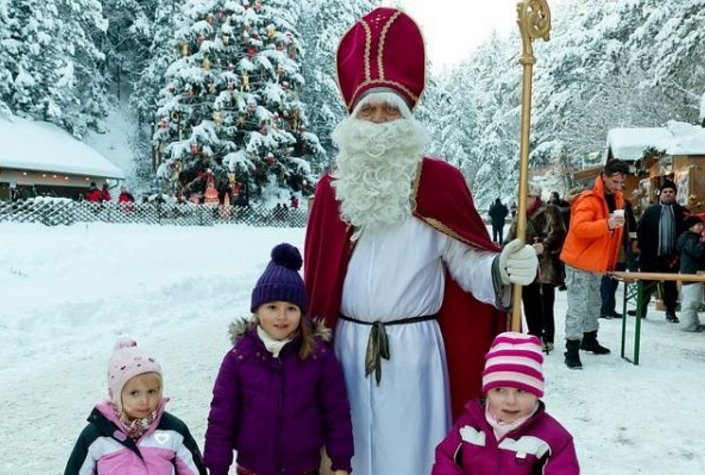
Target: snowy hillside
column 68, row 292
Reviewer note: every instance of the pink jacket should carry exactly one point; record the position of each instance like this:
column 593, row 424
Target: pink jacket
column 103, row 448
column 540, row 446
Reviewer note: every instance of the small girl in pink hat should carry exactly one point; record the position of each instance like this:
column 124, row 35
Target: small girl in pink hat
column 130, row 432
column 509, row 432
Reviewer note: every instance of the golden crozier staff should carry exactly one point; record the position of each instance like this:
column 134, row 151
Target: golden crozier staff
column 534, row 19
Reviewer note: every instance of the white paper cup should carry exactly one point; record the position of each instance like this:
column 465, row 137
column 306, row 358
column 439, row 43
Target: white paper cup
column 619, row 212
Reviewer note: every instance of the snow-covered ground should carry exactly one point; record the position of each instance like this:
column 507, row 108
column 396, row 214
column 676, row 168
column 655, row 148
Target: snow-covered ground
column 66, row 293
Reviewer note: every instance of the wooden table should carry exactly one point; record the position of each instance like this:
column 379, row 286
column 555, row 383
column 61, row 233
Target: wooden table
column 634, row 285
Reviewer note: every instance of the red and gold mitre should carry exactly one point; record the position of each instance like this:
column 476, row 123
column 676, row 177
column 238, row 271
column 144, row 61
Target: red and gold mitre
column 384, row 49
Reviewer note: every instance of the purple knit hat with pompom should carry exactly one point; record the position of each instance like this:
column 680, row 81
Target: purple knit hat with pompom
column 281, row 280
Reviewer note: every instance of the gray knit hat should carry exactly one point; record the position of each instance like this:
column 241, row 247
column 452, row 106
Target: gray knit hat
column 281, row 280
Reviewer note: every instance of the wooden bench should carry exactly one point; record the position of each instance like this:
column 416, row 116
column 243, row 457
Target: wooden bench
column 634, row 286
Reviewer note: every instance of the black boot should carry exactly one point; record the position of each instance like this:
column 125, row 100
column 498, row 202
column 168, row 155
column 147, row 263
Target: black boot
column 590, row 343
column 572, row 354
column 671, row 317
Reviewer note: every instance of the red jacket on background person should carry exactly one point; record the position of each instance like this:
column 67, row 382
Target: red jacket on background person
column 94, row 194
column 126, row 197
column 105, row 194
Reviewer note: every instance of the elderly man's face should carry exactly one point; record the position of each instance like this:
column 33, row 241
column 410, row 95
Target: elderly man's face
column 378, row 112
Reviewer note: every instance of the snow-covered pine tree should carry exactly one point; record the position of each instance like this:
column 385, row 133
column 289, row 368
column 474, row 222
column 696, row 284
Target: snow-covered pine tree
column 7, row 48
column 449, row 114
column 56, row 62
column 321, row 25
column 492, row 82
column 129, row 36
column 231, row 103
column 669, row 44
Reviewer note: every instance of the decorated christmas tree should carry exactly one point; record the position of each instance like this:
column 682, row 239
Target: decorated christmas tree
column 231, row 104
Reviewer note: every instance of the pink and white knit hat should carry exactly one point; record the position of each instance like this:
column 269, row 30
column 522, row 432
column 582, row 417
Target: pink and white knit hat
column 127, row 361
column 514, row 361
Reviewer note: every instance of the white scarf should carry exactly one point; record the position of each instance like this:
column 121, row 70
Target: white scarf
column 272, row 345
column 501, row 428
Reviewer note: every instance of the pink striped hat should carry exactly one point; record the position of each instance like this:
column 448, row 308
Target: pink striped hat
column 514, row 361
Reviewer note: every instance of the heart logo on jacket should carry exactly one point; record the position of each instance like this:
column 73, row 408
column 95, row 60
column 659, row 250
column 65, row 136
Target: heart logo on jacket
column 161, row 437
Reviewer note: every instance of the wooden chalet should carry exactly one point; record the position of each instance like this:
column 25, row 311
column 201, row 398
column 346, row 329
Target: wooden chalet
column 39, row 158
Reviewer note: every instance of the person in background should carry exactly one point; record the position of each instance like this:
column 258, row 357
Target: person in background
column 608, row 285
column 125, row 200
column 498, row 214
column 508, row 432
column 545, row 232
column 562, row 205
column 657, row 233
column 125, row 196
column 294, row 202
column 398, row 258
column 105, row 193
column 131, row 432
column 691, row 249
column 93, row 195
column 590, row 249
column 280, row 395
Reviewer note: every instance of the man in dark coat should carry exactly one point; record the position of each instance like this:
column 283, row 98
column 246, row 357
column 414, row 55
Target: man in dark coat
column 657, row 233
column 498, row 213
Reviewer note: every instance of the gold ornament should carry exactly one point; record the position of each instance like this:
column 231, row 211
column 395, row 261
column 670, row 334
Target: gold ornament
column 210, row 19
column 217, row 118
column 245, row 82
column 184, row 49
column 211, row 87
column 206, row 64
column 226, row 38
column 271, row 31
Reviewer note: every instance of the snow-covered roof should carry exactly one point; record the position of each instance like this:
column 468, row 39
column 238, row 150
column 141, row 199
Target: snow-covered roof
column 677, row 138
column 629, row 143
column 41, row 146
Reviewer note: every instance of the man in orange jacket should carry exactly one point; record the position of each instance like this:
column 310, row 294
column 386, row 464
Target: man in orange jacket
column 590, row 249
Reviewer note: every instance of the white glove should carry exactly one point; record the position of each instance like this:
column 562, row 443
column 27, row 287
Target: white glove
column 518, row 263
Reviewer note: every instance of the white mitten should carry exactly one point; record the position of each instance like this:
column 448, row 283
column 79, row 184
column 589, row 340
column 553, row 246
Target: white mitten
column 518, row 263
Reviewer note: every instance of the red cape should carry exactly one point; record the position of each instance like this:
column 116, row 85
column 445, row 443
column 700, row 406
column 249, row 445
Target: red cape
column 443, row 201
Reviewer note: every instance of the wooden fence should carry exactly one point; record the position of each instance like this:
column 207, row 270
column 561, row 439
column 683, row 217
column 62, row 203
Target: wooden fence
column 57, row 211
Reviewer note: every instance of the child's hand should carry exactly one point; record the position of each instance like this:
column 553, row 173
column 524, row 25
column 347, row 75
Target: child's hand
column 340, row 472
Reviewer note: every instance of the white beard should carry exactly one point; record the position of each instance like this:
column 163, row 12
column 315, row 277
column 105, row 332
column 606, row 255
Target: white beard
column 377, row 166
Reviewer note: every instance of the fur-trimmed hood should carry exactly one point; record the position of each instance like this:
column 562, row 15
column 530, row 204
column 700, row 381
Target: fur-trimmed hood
column 241, row 325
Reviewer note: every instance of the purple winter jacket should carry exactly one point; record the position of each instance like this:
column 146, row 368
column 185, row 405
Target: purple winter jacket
column 540, row 446
column 277, row 413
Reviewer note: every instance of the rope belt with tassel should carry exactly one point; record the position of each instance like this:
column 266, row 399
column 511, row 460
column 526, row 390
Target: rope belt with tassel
column 378, row 342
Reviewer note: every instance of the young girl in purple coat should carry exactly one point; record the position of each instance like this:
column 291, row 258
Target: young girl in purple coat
column 510, row 432
column 280, row 395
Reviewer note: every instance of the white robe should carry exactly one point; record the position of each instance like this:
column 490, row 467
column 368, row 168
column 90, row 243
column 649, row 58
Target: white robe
column 394, row 273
